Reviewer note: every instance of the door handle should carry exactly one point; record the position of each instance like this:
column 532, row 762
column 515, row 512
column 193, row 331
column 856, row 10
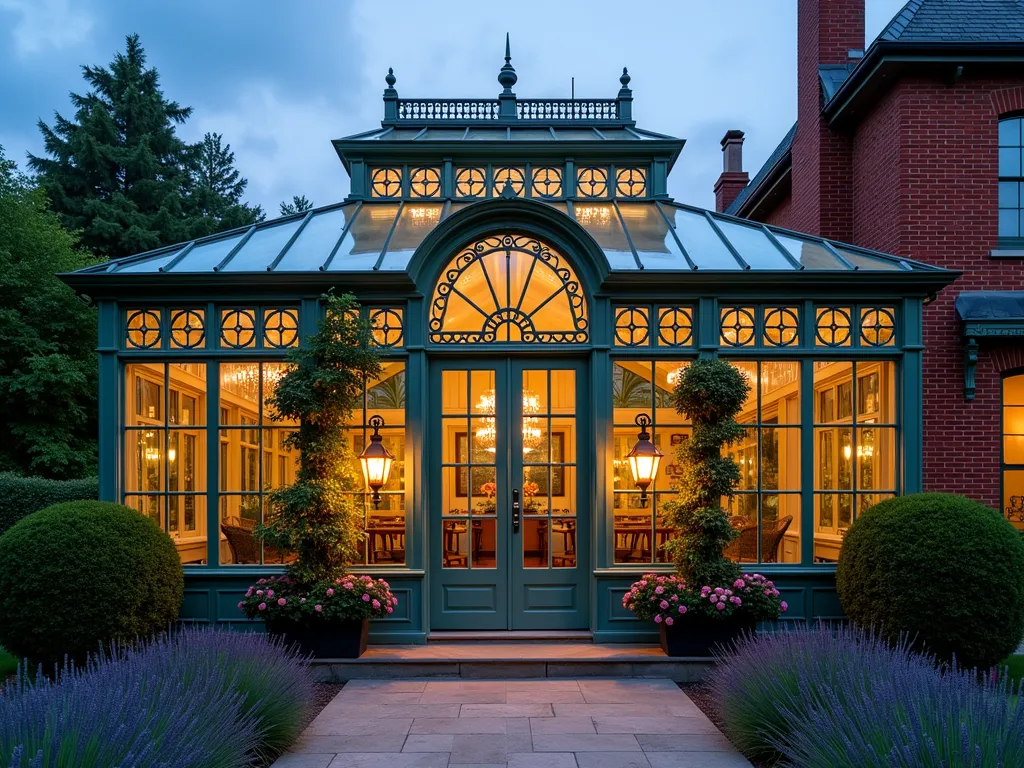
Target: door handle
column 515, row 510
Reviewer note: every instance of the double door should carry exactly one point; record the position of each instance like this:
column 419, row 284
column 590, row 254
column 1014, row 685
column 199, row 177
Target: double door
column 509, row 517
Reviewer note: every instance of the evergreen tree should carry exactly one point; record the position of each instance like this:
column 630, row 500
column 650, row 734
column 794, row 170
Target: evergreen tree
column 48, row 367
column 117, row 172
column 217, row 188
column 298, row 204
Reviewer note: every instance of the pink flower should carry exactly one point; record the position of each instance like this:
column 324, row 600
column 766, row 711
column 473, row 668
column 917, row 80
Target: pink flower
column 318, row 608
column 657, row 619
column 270, row 593
column 249, row 592
column 658, row 590
column 330, row 592
column 376, row 605
column 259, row 592
column 669, row 620
column 674, row 598
column 364, row 577
column 720, row 606
column 262, row 606
column 784, row 606
column 739, row 583
column 682, row 609
column 718, row 590
column 366, row 598
column 282, row 601
column 390, row 609
column 347, row 585
column 736, row 601
column 664, row 604
column 262, row 581
column 302, row 599
column 394, row 600
column 241, row 604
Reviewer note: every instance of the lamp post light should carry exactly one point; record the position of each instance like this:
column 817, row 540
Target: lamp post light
column 644, row 458
column 376, row 460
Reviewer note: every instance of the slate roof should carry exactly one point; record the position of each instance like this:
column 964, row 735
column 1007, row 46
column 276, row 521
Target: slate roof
column 832, row 76
column 957, row 21
column 776, row 157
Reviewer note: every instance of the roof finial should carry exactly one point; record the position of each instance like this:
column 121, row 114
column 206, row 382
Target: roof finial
column 390, row 78
column 507, row 76
column 507, row 192
column 624, row 78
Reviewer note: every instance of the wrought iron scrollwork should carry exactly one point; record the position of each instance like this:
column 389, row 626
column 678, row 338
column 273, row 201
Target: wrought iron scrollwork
column 508, row 289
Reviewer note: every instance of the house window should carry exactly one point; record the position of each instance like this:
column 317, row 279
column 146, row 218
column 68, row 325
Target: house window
column 255, row 459
column 1011, row 179
column 164, row 451
column 384, row 525
column 1013, row 449
column 855, row 444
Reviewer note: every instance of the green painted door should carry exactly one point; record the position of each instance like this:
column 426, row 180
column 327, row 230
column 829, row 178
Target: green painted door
column 510, row 496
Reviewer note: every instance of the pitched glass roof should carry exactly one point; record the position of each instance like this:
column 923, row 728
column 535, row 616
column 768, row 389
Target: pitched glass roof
column 367, row 236
column 505, row 133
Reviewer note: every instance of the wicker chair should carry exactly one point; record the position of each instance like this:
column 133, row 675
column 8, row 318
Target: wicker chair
column 245, row 548
column 743, row 549
column 770, row 540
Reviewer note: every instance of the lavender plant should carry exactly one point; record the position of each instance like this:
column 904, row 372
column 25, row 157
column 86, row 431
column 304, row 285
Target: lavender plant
column 763, row 686
column 912, row 716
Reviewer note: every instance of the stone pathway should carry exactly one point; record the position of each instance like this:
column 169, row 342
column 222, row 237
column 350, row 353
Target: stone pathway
column 552, row 723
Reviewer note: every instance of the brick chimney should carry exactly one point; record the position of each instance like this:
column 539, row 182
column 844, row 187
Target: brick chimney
column 733, row 178
column 828, row 32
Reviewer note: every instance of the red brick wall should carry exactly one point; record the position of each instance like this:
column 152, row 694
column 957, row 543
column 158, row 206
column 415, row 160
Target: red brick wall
column 924, row 187
column 781, row 215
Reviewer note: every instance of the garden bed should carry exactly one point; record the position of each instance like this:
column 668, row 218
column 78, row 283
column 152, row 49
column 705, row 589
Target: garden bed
column 701, row 696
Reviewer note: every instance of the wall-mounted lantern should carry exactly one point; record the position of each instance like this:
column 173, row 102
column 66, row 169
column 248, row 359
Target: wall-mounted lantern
column 376, row 460
column 644, row 458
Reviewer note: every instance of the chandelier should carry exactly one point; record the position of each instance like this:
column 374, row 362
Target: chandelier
column 487, row 433
column 243, row 379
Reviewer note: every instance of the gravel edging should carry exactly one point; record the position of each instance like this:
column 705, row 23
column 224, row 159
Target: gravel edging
column 701, row 696
column 323, row 694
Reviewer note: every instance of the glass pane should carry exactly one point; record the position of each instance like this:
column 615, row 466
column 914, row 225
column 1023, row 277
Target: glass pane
column 454, row 392
column 780, row 528
column 876, row 393
column 702, row 243
column 866, row 261
column 316, row 241
column 810, row 254
column 744, row 452
column 833, row 390
column 263, row 247
column 632, row 530
column 833, row 459
column 366, row 237
column 535, row 542
column 876, row 459
column 563, row 542
column 455, row 499
column 151, row 506
column 742, row 510
column 1009, row 162
column 1013, row 391
column 753, row 245
column 662, row 533
column 1009, row 194
column 652, row 236
column 748, row 413
column 780, row 392
column 206, row 256
column 780, row 459
column 240, row 393
column 1009, row 223
column 1009, row 132
column 145, row 457
column 187, row 520
column 485, row 546
column 144, row 394
column 414, row 224
column 455, row 542
column 602, row 222
column 239, row 517
column 1013, row 497
column 1013, row 423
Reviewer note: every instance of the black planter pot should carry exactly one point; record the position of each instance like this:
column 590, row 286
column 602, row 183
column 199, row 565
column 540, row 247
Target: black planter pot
column 701, row 635
column 340, row 641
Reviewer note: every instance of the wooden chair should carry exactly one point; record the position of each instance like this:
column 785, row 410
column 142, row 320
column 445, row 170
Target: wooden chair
column 743, row 549
column 770, row 540
column 245, row 548
column 568, row 556
column 453, row 557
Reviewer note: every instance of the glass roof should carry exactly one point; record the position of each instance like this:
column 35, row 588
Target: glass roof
column 503, row 133
column 366, row 236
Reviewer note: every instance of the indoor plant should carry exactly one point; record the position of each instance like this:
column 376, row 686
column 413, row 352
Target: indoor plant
column 720, row 602
column 319, row 516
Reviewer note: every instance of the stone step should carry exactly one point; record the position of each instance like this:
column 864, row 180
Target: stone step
column 517, row 636
column 495, row 660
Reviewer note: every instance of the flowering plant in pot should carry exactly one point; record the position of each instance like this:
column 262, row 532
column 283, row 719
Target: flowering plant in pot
column 319, row 517
column 709, row 601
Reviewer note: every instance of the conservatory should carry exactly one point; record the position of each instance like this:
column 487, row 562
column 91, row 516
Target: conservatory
column 534, row 292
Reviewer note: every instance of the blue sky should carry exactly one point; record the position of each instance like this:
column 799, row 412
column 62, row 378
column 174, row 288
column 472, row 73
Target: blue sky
column 280, row 80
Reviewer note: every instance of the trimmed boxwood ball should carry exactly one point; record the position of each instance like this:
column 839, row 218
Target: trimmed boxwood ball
column 946, row 570
column 82, row 574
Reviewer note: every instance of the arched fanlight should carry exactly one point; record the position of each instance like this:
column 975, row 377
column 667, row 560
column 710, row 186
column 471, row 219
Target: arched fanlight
column 644, row 458
column 376, row 460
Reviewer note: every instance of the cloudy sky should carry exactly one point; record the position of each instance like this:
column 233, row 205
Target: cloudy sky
column 280, row 80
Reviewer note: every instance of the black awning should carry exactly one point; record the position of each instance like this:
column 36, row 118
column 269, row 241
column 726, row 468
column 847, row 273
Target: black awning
column 990, row 305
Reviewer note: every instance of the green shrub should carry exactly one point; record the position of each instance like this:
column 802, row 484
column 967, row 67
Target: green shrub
column 21, row 496
column 77, row 575
column 945, row 570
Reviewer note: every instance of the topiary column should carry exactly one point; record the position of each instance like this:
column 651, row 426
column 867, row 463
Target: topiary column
column 710, row 392
column 319, row 516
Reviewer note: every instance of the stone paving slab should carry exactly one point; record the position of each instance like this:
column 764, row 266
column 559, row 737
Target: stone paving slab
column 586, row 723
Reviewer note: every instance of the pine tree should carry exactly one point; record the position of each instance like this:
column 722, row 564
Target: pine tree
column 48, row 366
column 217, row 187
column 298, row 204
column 118, row 171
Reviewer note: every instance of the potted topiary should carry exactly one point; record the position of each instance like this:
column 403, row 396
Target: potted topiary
column 318, row 518
column 710, row 601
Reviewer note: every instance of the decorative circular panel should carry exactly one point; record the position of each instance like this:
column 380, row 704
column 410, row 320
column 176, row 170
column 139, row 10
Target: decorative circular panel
column 386, row 325
column 737, row 327
column 781, row 326
column 144, row 328
column 425, row 182
column 632, row 327
column 592, row 182
column 238, row 328
column 833, row 327
column 675, row 327
column 280, row 328
column 877, row 327
column 470, row 182
column 188, row 331
column 513, row 176
column 631, row 182
column 508, row 289
column 547, row 182
column 386, row 182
